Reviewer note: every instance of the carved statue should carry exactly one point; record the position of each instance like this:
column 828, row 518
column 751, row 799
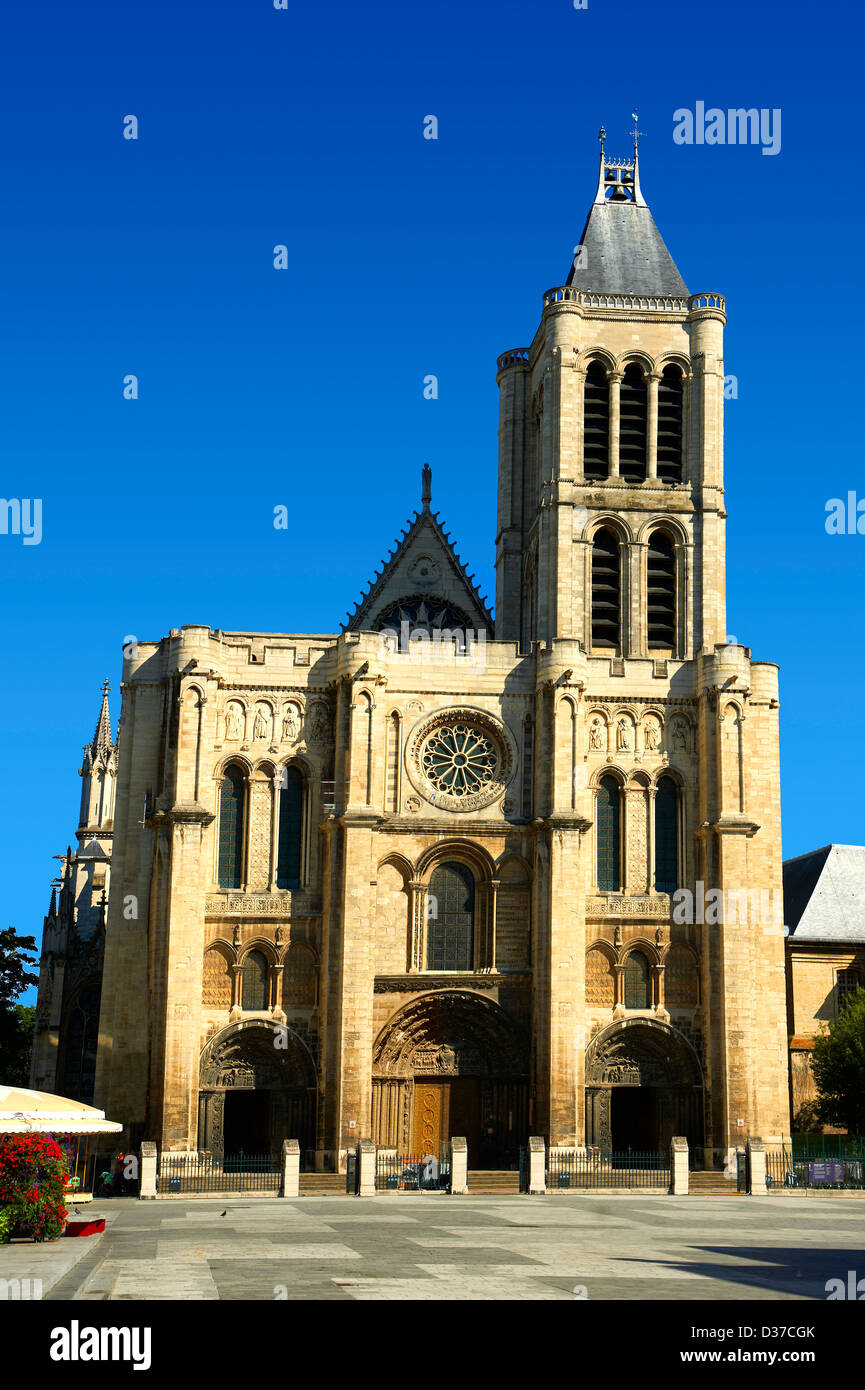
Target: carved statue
column 596, row 736
column 232, row 722
column 290, row 724
column 623, row 735
column 652, row 736
column 261, row 726
column 320, row 728
column 679, row 736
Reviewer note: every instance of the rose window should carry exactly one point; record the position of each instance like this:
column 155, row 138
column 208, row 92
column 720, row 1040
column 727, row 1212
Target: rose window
column 459, row 760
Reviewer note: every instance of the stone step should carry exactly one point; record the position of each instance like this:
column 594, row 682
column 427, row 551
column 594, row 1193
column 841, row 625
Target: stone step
column 321, row 1184
column 489, row 1183
column 711, row 1183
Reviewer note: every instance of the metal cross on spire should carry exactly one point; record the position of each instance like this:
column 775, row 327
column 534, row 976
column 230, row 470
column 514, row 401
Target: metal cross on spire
column 636, row 133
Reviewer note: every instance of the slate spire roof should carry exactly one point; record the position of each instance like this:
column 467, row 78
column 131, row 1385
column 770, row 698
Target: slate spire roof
column 621, row 249
column 824, row 894
column 424, row 571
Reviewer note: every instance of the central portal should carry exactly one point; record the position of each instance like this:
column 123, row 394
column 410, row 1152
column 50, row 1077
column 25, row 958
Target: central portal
column 443, row 1109
column 634, row 1119
column 247, row 1122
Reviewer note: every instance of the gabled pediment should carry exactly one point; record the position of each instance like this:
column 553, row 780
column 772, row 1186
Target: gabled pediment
column 423, row 581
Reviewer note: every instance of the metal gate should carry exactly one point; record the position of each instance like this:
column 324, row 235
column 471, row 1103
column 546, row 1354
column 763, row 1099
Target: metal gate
column 396, row 1172
column 203, row 1174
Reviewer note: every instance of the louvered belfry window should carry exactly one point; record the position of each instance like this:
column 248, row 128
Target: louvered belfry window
column 231, row 803
column 670, row 398
column 596, row 423
column 636, row 981
column 450, row 931
column 254, row 994
column 666, row 837
column 661, row 591
column 290, row 830
column 633, row 416
column 608, row 834
column 606, row 590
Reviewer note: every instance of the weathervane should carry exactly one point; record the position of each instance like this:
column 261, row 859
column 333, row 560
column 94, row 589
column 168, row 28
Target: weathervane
column 602, row 135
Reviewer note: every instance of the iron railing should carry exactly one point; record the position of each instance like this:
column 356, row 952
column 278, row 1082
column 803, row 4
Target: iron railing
column 196, row 1175
column 567, row 1170
column 395, row 1172
column 789, row 1172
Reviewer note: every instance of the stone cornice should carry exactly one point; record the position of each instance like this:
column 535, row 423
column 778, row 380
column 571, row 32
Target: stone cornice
column 421, row 983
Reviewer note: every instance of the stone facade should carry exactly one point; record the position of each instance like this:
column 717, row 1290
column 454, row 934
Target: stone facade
column 418, row 942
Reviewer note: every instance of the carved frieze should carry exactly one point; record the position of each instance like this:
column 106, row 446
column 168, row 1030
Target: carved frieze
column 636, row 907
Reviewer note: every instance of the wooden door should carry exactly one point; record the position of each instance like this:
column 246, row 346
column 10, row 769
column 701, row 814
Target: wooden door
column 431, row 1107
column 442, row 1109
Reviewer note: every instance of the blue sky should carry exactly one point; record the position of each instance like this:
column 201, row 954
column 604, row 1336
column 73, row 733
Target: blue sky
column 407, row 257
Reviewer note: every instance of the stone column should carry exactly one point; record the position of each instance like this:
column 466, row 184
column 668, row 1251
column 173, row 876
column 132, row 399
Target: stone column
column 679, row 1167
column 418, row 906
column 366, row 1168
column 147, row 1186
column 459, row 1167
column 537, row 1165
column 290, row 1185
column 652, row 426
column 615, row 390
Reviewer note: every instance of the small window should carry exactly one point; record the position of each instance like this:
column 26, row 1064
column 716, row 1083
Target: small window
column 636, row 981
column 607, row 821
column 666, row 837
column 633, row 417
column 596, row 424
column 670, row 396
column 290, row 830
column 606, row 591
column 254, row 994
column 661, row 592
column 847, row 983
column 231, row 817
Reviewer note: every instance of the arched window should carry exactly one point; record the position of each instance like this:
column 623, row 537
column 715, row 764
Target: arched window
column 231, row 808
column 633, row 416
column 451, row 921
column 254, row 993
column 661, row 591
column 596, row 423
column 670, row 397
column 82, row 1036
column 606, row 590
column 666, row 837
column 290, row 829
column 607, row 822
column 636, row 981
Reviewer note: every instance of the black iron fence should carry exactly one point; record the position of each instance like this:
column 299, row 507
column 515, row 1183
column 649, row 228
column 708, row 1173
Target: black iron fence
column 397, row 1172
column 567, row 1170
column 198, row 1175
column 803, row 1170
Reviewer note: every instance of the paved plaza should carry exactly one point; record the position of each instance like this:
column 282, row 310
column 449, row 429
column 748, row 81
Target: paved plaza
column 457, row 1248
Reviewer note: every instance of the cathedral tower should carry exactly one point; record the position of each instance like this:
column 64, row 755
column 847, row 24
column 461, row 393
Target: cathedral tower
column 662, row 734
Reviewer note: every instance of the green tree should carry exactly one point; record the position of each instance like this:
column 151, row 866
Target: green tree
column 16, row 1020
column 838, row 1063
